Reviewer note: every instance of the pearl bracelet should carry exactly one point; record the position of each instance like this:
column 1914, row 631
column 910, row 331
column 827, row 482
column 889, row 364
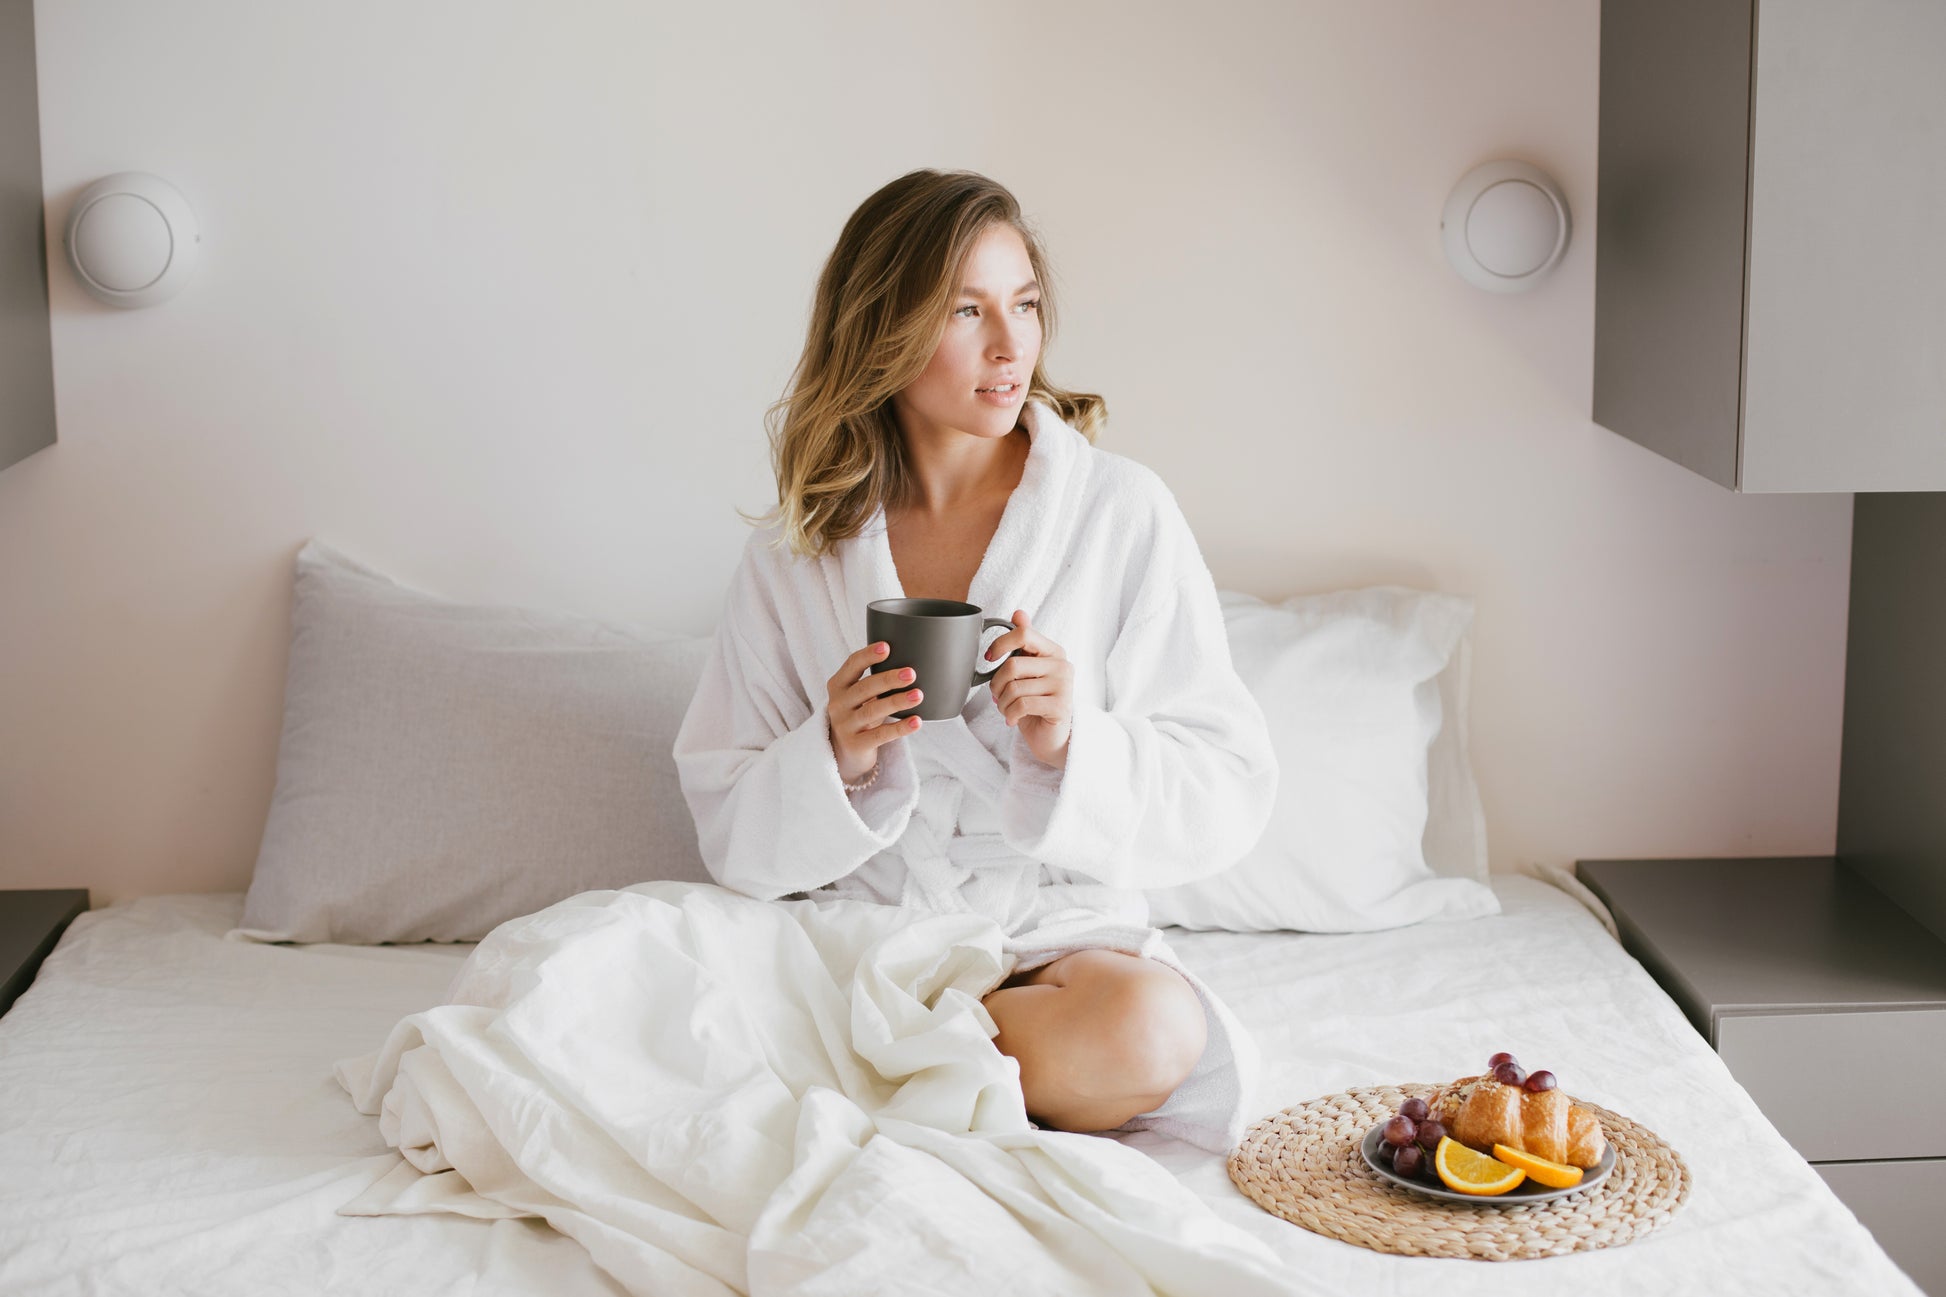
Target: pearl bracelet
column 861, row 786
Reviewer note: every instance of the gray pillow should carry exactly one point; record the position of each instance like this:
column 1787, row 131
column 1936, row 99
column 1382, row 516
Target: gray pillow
column 445, row 767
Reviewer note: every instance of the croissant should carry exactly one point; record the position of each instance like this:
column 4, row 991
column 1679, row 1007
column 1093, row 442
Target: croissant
column 1480, row 1112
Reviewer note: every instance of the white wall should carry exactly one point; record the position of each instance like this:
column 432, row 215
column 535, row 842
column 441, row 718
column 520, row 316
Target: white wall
column 493, row 297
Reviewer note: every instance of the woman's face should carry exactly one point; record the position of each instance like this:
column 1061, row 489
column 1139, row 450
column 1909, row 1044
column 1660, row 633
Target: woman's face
column 992, row 338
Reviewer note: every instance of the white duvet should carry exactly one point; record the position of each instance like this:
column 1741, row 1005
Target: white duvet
column 715, row 1094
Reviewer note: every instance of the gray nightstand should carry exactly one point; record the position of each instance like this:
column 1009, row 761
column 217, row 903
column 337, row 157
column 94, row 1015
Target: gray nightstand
column 30, row 924
column 1812, row 986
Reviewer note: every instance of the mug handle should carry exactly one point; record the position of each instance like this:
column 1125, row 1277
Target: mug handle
column 986, row 677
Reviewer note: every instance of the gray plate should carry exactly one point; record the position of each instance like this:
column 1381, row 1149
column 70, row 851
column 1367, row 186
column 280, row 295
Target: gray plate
column 1526, row 1192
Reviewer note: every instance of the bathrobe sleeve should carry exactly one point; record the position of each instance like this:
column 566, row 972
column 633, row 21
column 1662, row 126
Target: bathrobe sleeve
column 1173, row 779
column 755, row 760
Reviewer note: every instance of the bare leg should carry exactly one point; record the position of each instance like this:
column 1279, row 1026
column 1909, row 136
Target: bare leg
column 1099, row 1035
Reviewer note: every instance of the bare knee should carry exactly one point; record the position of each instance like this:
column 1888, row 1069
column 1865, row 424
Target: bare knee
column 1100, row 1036
column 1156, row 1029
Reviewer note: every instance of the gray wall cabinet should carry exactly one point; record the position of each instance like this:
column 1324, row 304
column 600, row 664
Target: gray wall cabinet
column 26, row 352
column 1770, row 282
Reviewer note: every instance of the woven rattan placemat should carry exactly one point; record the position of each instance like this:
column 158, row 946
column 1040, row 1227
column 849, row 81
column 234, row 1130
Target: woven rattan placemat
column 1303, row 1164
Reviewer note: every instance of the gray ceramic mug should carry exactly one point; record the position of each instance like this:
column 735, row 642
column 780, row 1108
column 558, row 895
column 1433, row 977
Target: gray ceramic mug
column 940, row 640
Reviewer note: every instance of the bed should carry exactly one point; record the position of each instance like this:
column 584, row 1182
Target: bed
column 172, row 1123
column 212, row 1093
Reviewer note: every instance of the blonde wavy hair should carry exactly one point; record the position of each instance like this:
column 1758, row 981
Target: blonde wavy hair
column 882, row 305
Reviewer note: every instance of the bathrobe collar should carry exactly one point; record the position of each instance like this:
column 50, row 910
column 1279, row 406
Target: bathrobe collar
column 1028, row 538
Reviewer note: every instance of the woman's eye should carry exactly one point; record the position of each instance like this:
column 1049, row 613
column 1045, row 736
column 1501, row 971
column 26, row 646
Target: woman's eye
column 1034, row 302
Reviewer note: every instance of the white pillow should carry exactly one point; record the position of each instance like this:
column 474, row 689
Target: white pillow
column 1378, row 821
column 445, row 767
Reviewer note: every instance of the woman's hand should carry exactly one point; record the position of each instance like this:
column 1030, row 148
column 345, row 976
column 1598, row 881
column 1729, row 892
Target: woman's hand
column 1034, row 689
column 857, row 711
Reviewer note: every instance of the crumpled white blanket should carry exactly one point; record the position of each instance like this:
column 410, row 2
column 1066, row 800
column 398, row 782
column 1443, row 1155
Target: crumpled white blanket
column 717, row 1094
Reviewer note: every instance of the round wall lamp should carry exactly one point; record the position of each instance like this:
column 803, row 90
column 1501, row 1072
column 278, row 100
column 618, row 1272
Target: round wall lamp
column 1505, row 225
column 132, row 239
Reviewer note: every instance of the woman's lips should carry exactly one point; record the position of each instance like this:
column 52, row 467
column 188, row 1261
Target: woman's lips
column 1001, row 398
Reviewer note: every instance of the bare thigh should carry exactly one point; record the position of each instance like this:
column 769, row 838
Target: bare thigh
column 1099, row 1035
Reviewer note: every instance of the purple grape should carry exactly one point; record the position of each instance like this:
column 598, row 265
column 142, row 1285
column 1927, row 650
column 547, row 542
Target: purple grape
column 1430, row 1133
column 1400, row 1131
column 1385, row 1152
column 1414, row 1108
column 1494, row 1063
column 1539, row 1081
column 1509, row 1074
column 1408, row 1160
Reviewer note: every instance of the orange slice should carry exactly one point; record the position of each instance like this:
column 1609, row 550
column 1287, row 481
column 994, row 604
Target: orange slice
column 1541, row 1171
column 1465, row 1171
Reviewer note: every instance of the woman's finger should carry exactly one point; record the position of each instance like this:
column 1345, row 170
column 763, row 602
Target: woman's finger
column 1023, row 638
column 1025, row 687
column 1019, row 668
column 1040, row 645
column 1008, row 642
column 873, row 713
column 861, row 693
column 857, row 663
column 1043, row 705
column 879, row 735
column 1016, row 669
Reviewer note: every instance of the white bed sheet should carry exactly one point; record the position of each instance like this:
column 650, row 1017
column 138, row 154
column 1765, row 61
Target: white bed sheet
column 170, row 1123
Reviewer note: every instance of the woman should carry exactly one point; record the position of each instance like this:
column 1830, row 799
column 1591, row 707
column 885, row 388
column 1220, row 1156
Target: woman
column 923, row 452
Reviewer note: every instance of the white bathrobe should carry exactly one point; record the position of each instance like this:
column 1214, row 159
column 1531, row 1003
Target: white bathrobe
column 1169, row 776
